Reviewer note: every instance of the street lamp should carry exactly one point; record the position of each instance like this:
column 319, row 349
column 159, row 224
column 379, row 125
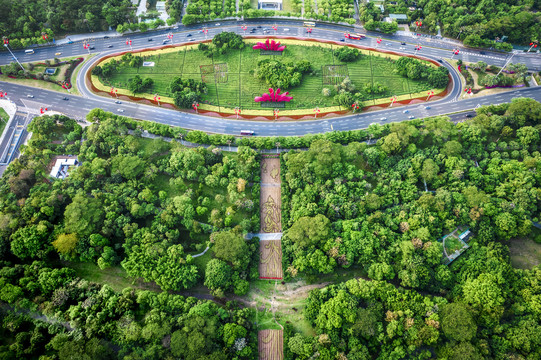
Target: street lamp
column 157, row 99
column 244, row 27
column 417, row 48
column 205, row 31
column 533, row 44
column 393, row 99
column 316, row 111
column 455, row 52
column 418, row 24
column 506, row 63
column 128, row 42
column 430, row 93
column 378, row 41
column 237, row 111
column 276, row 111
column 195, row 105
column 6, row 44
column 170, row 37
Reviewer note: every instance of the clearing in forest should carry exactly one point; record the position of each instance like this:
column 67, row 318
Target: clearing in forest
column 271, row 344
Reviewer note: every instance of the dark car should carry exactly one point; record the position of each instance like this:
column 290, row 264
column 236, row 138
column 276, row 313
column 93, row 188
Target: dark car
column 188, row 35
column 440, row 61
column 149, row 39
column 469, row 115
column 106, row 37
column 91, row 48
column 342, row 40
column 110, row 46
column 259, row 27
column 65, row 98
column 482, row 52
column 402, row 43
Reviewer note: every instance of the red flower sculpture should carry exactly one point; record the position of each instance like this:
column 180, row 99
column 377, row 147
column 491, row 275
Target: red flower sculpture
column 272, row 46
column 274, row 96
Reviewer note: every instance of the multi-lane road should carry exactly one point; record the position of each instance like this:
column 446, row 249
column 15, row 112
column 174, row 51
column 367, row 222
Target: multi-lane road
column 78, row 106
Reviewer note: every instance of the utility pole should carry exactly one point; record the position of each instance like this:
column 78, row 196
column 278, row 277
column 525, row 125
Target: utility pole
column 6, row 44
column 506, row 63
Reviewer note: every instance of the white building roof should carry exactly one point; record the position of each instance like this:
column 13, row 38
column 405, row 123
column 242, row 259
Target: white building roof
column 60, row 168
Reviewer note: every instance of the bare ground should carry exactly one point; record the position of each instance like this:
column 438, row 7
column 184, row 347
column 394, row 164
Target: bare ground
column 525, row 253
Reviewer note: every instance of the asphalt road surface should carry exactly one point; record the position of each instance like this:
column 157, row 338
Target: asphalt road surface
column 78, row 106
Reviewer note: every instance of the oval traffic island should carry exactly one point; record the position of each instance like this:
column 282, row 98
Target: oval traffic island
column 320, row 77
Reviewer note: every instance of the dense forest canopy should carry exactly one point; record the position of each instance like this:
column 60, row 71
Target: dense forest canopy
column 148, row 205
column 29, row 18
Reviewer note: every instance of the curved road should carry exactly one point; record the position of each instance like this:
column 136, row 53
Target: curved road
column 79, row 106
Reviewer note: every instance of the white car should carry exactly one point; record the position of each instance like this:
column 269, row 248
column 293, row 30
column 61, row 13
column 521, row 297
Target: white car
column 120, row 110
column 383, row 119
column 406, row 111
column 29, row 96
column 411, row 117
column 217, row 24
column 286, row 29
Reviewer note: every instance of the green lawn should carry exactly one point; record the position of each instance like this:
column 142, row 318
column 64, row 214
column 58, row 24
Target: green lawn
column 237, row 86
column 452, row 244
column 3, row 120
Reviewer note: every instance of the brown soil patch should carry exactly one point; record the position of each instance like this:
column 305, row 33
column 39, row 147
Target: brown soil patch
column 271, row 344
column 270, row 196
column 525, row 253
column 270, row 261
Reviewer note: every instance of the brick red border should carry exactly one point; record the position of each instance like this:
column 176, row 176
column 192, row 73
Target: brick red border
column 270, row 117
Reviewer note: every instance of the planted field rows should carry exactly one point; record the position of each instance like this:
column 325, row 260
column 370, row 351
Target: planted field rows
column 271, row 343
column 271, row 203
column 231, row 82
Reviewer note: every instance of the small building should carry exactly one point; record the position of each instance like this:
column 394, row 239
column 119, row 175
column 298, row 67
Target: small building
column 269, row 4
column 399, row 18
column 61, row 167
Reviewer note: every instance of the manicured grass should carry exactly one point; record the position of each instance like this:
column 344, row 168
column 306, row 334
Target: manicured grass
column 3, row 120
column 240, row 86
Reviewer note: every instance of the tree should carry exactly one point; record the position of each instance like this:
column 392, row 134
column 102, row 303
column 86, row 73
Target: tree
column 218, row 275
column 129, row 166
column 430, row 170
column 231, row 247
column 484, row 294
column 65, row 244
column 309, row 231
column 30, row 241
column 84, row 215
column 528, row 135
column 457, row 322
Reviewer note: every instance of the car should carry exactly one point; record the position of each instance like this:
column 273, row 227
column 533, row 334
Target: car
column 427, row 107
column 29, row 96
column 165, row 41
column 57, row 54
column 482, row 52
column 286, row 29
column 106, row 37
column 65, row 98
column 387, row 44
column 411, row 117
column 70, row 42
column 118, row 102
column 265, row 31
column 383, row 119
column 469, row 115
column 110, row 46
column 342, row 40
column 259, row 27
column 217, row 24
column 402, row 43
column 120, row 110
column 188, row 35
column 402, row 48
column 149, row 39
column 200, row 31
column 440, row 61
column 176, row 27
column 91, row 48
column 406, row 111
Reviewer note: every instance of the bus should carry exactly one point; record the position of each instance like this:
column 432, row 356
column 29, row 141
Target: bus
column 309, row 24
column 354, row 36
column 29, row 51
column 247, row 132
